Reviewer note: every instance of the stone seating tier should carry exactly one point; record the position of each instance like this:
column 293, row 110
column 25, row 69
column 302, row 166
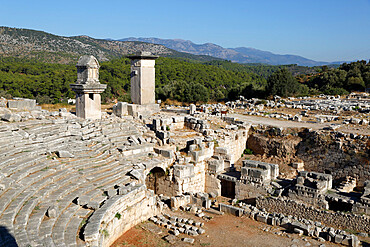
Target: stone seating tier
column 33, row 178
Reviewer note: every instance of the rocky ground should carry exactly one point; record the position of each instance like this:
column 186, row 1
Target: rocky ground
column 221, row 230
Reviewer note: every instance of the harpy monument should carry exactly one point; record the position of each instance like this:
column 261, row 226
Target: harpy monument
column 88, row 88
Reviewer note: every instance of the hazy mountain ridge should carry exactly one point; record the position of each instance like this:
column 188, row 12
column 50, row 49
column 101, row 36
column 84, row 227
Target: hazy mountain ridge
column 239, row 54
column 48, row 47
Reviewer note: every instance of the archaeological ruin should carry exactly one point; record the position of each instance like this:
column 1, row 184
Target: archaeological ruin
column 88, row 88
column 85, row 178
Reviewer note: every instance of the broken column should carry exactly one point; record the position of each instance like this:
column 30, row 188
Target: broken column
column 88, row 88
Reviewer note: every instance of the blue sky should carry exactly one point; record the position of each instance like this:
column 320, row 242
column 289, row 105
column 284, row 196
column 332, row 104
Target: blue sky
column 322, row 30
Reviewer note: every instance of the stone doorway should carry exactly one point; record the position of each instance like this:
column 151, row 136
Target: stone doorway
column 155, row 180
column 227, row 188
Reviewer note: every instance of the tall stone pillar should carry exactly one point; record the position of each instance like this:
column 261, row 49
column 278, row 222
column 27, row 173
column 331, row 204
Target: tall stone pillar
column 88, row 88
column 143, row 78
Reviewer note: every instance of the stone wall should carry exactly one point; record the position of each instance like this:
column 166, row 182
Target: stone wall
column 182, row 179
column 195, row 182
column 118, row 215
column 359, row 223
column 167, row 186
column 246, row 191
column 212, row 184
column 232, row 145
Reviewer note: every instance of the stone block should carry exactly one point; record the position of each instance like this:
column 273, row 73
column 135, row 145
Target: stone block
column 192, row 109
column 221, row 150
column 167, row 153
column 11, row 117
column 64, row 154
column 52, row 211
column 338, row 238
column 136, row 173
column 22, row 104
column 120, row 109
column 195, row 155
column 299, row 225
column 230, row 209
column 271, row 220
column 161, row 134
column 298, row 231
column 188, row 240
column 183, row 171
column 192, row 233
column 215, row 166
column 261, row 218
column 175, row 232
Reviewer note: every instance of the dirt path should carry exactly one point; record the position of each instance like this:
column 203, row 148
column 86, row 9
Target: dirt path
column 226, row 230
column 363, row 130
column 278, row 123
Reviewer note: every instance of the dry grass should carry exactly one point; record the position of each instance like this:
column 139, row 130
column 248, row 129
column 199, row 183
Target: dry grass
column 55, row 107
column 174, row 102
column 107, row 107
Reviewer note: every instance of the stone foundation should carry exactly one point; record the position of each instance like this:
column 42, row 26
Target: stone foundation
column 340, row 220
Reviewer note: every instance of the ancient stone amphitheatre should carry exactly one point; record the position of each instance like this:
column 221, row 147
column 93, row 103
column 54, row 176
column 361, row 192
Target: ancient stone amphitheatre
column 84, row 178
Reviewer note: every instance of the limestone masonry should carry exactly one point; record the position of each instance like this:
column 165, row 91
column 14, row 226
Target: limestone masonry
column 88, row 88
column 85, row 178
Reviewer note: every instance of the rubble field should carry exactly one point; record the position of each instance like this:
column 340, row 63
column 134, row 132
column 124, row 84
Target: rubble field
column 284, row 172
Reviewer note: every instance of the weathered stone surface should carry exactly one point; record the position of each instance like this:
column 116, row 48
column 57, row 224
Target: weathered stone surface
column 64, row 154
column 143, row 78
column 11, row 117
column 52, row 211
column 188, row 240
column 22, row 104
column 230, row 209
column 88, row 88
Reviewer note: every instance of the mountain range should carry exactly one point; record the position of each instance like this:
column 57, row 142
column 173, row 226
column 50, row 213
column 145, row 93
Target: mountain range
column 48, row 47
column 238, row 55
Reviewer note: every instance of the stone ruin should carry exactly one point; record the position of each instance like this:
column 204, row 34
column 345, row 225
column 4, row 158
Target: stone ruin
column 88, row 88
column 143, row 78
column 142, row 87
column 70, row 180
column 259, row 172
column 312, row 184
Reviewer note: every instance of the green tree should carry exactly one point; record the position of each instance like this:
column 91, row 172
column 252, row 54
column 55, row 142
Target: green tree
column 284, row 84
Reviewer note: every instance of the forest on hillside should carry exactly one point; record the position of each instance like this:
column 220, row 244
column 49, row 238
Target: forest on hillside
column 184, row 81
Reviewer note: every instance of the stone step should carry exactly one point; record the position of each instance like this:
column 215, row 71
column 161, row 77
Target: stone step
column 60, row 227
column 26, row 171
column 98, row 174
column 19, row 156
column 99, row 166
column 7, row 196
column 21, row 164
column 24, row 213
column 71, row 235
column 34, row 222
column 13, row 208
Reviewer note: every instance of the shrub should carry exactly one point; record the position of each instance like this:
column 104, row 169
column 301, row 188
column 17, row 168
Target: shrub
column 118, row 215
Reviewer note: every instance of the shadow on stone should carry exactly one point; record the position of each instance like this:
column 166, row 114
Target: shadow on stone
column 6, row 239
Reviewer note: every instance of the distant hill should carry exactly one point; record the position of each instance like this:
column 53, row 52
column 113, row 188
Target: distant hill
column 46, row 47
column 239, row 55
